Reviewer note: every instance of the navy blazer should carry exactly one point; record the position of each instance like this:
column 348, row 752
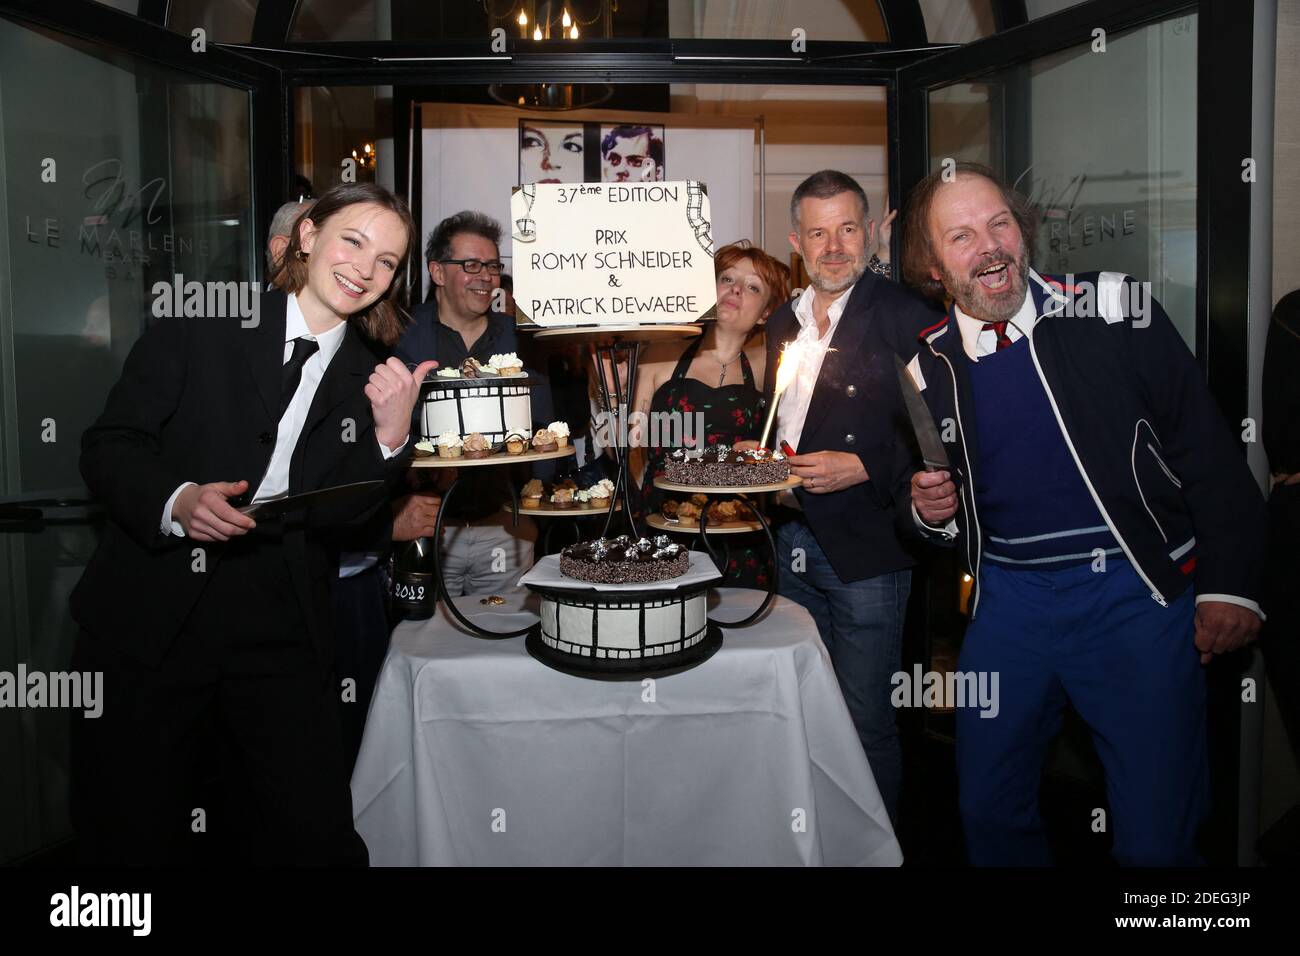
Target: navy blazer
column 857, row 407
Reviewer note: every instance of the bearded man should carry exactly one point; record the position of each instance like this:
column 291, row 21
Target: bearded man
column 1104, row 510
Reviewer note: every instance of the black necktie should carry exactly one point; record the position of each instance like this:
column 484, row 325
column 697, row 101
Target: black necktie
column 290, row 376
column 291, row 371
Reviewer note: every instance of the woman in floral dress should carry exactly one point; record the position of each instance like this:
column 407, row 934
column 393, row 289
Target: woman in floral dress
column 719, row 375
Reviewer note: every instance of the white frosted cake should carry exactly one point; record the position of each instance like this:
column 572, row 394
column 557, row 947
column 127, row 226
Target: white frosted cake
column 631, row 630
column 492, row 407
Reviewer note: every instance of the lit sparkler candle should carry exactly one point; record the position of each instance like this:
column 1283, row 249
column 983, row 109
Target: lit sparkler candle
column 786, row 371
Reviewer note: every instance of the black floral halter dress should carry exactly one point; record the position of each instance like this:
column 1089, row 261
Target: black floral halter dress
column 732, row 413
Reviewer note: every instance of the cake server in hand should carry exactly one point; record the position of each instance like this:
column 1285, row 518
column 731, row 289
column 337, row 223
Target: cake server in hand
column 285, row 504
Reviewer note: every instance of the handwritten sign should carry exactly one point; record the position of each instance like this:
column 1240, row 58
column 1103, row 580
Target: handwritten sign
column 612, row 253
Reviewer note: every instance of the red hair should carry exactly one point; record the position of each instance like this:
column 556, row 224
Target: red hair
column 774, row 273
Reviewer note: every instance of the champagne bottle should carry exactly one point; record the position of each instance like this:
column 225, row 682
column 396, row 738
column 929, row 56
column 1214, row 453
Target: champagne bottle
column 415, row 586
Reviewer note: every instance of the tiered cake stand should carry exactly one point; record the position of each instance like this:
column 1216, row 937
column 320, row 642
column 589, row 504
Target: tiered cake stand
column 501, row 458
column 610, row 346
column 574, row 513
column 733, row 527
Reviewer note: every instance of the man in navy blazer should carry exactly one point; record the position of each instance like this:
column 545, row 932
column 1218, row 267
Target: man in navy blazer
column 844, row 559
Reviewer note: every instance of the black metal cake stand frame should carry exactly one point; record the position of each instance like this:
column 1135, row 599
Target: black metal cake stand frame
column 610, row 348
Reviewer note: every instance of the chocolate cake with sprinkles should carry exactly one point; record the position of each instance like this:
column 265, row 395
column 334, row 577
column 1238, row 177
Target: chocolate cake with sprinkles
column 624, row 560
column 721, row 465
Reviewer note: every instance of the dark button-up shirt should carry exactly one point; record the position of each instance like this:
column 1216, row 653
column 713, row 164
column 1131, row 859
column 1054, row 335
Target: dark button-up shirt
column 427, row 338
column 482, row 490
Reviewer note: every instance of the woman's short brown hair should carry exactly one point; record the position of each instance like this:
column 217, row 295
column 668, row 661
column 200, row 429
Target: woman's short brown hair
column 918, row 252
column 774, row 273
column 384, row 320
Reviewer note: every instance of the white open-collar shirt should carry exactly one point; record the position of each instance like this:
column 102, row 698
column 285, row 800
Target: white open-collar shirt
column 793, row 410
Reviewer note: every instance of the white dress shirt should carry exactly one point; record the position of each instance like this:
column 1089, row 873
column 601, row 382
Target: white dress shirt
column 793, row 410
column 276, row 480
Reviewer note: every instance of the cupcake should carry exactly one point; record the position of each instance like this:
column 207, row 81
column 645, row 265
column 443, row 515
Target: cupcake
column 563, row 498
column 561, row 432
column 582, row 497
column 450, row 445
column 470, row 368
column 567, row 483
column 531, row 493
column 448, row 373
column 424, row 448
column 601, row 492
column 516, row 443
column 476, row 446
column 726, row 511
column 544, row 440
column 669, row 509
column 506, row 364
column 688, row 511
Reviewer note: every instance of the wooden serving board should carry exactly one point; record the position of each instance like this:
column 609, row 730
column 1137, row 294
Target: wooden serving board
column 500, row 458
column 660, row 523
column 794, row 481
column 544, row 509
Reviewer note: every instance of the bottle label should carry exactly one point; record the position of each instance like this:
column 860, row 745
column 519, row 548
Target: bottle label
column 413, row 591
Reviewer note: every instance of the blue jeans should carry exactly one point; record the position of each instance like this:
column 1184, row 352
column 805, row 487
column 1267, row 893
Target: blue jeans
column 861, row 624
column 1131, row 670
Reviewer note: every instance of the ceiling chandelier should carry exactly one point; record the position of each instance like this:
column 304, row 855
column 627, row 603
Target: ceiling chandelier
column 554, row 20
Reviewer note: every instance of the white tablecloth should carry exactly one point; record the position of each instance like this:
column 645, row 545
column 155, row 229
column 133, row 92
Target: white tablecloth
column 477, row 754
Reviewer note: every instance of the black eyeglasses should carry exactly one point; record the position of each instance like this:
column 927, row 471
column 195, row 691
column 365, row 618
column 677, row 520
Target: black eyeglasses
column 475, row 266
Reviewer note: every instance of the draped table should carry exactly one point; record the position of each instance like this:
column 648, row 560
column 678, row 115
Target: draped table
column 476, row 754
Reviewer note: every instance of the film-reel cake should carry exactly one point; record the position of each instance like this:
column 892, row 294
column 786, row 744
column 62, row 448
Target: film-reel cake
column 623, row 607
column 637, row 628
column 494, row 405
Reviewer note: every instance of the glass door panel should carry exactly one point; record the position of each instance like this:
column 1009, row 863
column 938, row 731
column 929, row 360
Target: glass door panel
column 115, row 173
column 1112, row 171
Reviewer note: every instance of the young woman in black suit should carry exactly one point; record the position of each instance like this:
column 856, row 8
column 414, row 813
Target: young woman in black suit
column 206, row 624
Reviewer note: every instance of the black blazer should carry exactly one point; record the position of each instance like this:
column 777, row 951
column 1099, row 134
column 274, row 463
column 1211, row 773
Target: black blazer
column 856, row 407
column 198, row 400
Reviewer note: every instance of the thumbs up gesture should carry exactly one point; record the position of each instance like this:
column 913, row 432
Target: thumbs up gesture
column 393, row 390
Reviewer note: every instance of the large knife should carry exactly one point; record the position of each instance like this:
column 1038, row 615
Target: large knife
column 284, row 504
column 933, row 454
